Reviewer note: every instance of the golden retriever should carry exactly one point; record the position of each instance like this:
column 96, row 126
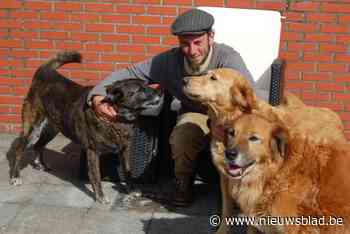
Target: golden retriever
column 283, row 175
column 228, row 95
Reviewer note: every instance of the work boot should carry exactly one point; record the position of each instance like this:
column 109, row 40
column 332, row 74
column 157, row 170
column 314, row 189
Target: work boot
column 184, row 192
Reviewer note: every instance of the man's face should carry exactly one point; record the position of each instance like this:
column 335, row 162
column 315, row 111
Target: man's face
column 196, row 47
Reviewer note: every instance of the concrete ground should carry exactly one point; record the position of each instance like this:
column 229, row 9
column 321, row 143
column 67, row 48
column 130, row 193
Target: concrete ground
column 58, row 202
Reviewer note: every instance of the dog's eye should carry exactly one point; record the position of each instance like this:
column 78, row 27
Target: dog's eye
column 212, row 77
column 254, row 139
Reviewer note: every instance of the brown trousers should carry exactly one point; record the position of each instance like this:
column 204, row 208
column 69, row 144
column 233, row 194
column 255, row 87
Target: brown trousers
column 187, row 139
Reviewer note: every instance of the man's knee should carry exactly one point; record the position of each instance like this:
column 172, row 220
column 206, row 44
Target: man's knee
column 187, row 139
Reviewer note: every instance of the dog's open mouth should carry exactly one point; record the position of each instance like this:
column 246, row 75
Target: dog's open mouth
column 236, row 171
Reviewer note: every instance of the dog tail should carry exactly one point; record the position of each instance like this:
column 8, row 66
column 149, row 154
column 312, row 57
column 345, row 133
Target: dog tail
column 63, row 58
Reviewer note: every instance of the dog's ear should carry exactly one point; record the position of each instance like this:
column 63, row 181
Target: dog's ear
column 279, row 142
column 243, row 96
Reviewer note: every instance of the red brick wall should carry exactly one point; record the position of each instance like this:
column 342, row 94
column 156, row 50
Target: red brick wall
column 114, row 33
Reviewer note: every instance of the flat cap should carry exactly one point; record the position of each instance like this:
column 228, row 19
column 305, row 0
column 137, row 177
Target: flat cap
column 194, row 21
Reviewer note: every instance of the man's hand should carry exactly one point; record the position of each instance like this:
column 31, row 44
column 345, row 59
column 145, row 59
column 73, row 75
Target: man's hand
column 103, row 110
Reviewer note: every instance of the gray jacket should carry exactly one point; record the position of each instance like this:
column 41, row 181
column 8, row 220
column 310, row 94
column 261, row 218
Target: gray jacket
column 167, row 69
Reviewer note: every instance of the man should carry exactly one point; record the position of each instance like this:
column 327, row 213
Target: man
column 196, row 54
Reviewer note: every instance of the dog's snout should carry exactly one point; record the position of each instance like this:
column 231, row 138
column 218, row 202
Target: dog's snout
column 231, row 154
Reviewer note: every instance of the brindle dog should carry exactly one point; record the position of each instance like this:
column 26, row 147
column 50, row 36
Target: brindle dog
column 56, row 104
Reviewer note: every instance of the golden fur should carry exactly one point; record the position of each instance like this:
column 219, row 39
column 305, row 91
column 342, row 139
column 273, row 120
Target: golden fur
column 287, row 175
column 228, row 95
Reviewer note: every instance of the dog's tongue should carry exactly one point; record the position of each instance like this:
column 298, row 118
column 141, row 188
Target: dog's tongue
column 235, row 170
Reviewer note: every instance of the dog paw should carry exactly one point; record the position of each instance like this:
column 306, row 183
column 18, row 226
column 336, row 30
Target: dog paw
column 15, row 181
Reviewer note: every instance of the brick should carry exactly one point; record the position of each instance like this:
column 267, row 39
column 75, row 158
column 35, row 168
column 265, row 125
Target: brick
column 24, row 15
column 38, row 5
column 36, row 44
column 54, row 16
column 156, row 49
column 343, row 38
column 99, row 7
column 99, row 66
column 130, row 9
column 115, row 19
column 168, row 21
column 212, row 3
column 342, row 58
column 331, row 67
column 330, row 86
column 10, row 63
column 6, row 118
column 342, row 77
column 83, row 36
column 38, row 25
column 146, row 20
column 317, row 76
column 130, row 29
column 333, row 106
column 20, row 91
column 299, row 46
column 345, row 116
column 124, row 58
column 342, row 97
column 148, row 1
column 344, row 19
column 99, row 47
column 326, row 47
column 85, row 17
column 10, row 100
column 271, row 5
column 316, row 57
column 117, row 38
column 299, row 85
column 100, row 28
column 68, row 6
column 24, row 34
column 302, row 27
column 290, row 56
column 319, row 17
column 23, row 73
column 335, row 7
column 61, row 45
column 68, row 26
column 240, row 4
column 294, row 16
column 161, row 30
column 91, row 75
column 162, row 10
column 292, row 36
column 171, row 40
column 304, row 6
column 145, row 39
column 10, row 4
column 13, row 24
column 54, row 35
column 321, row 96
column 177, row 2
column 138, row 58
column 319, row 37
column 131, row 48
column 334, row 28
column 12, row 81
column 24, row 54
column 10, row 43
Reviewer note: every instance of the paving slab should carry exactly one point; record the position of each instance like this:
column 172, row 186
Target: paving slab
column 47, row 219
column 8, row 212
